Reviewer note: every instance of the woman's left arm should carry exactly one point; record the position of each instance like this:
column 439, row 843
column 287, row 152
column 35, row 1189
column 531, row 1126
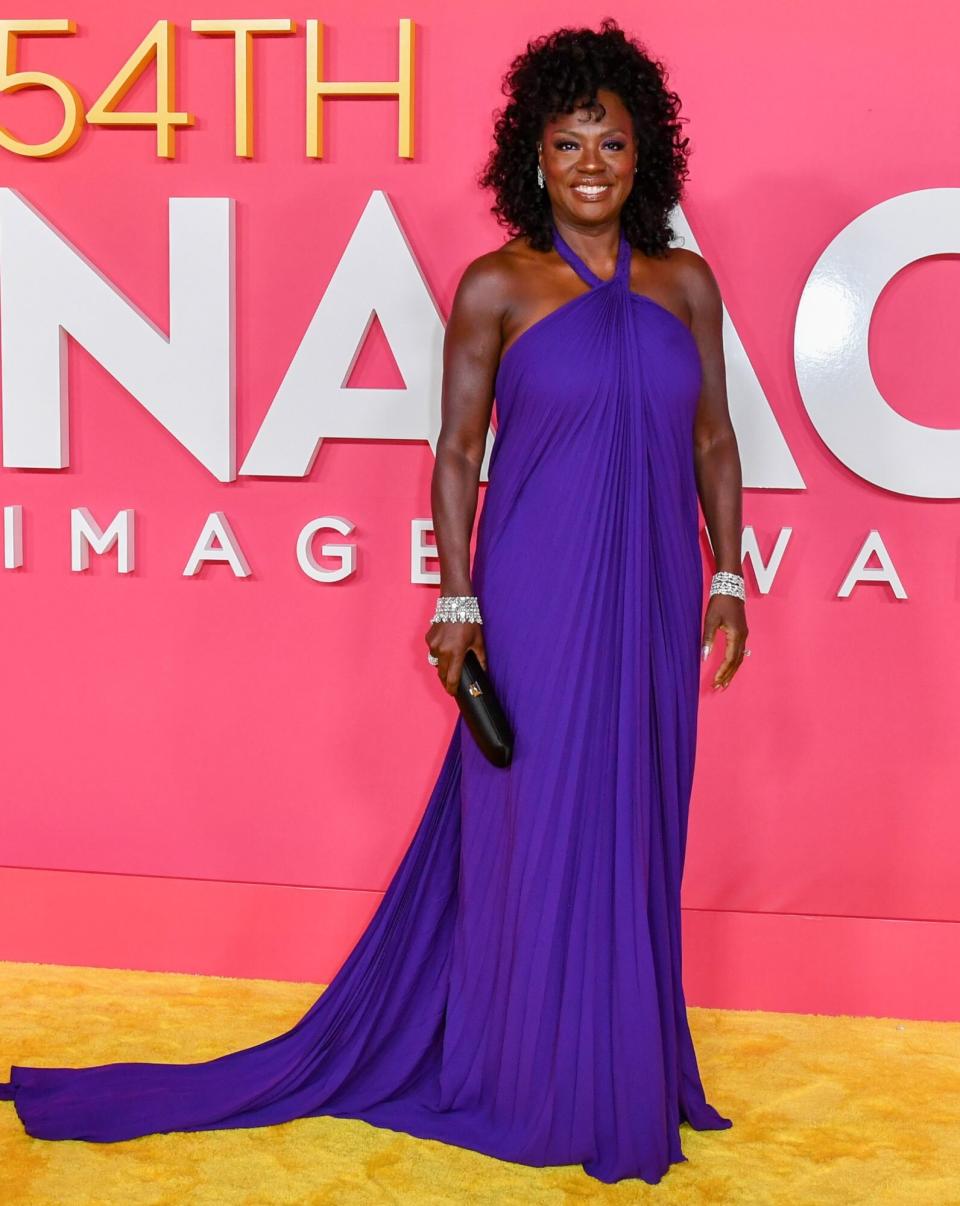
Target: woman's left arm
column 717, row 465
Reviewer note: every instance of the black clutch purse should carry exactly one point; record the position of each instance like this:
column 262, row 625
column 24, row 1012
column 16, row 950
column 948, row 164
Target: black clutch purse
column 482, row 712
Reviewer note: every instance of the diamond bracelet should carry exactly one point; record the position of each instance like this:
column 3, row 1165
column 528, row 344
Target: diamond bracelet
column 725, row 583
column 457, row 609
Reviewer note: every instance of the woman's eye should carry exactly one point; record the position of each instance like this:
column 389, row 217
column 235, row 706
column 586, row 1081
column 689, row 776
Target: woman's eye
column 613, row 145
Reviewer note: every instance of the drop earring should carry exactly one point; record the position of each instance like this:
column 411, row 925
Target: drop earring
column 540, row 180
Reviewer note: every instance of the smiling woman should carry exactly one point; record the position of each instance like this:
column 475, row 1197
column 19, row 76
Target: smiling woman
column 593, row 164
column 519, row 988
column 545, row 139
column 613, row 160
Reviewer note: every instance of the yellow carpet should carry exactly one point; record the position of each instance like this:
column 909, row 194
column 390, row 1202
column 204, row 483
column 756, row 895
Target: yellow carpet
column 825, row 1110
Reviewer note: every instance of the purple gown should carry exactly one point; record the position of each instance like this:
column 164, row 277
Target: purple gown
column 518, row 989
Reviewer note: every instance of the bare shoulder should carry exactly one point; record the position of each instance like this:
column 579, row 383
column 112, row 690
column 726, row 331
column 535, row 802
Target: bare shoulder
column 489, row 281
column 473, row 327
column 491, row 290
column 695, row 277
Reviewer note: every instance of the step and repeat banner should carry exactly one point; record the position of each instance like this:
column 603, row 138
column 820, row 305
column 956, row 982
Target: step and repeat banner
column 230, row 235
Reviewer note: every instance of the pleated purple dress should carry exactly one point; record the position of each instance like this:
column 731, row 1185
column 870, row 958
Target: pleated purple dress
column 518, row 990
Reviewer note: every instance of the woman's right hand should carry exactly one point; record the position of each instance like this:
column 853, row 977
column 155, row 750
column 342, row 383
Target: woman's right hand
column 449, row 641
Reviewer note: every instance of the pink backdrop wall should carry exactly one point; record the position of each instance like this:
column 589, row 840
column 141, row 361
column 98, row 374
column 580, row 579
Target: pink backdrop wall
column 212, row 774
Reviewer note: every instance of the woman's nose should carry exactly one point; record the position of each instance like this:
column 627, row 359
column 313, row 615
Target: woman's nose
column 589, row 160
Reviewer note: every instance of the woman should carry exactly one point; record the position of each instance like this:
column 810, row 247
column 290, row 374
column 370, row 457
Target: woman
column 518, row 990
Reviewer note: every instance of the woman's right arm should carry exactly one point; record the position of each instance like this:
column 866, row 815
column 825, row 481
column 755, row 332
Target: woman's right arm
column 471, row 354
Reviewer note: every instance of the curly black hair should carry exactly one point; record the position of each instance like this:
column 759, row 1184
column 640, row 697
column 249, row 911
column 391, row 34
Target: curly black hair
column 559, row 73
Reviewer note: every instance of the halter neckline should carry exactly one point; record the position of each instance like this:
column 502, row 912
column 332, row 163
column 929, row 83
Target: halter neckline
column 621, row 272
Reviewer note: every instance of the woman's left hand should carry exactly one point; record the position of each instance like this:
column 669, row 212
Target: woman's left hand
column 729, row 613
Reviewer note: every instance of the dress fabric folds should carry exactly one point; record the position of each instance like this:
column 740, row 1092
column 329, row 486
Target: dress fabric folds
column 518, row 990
